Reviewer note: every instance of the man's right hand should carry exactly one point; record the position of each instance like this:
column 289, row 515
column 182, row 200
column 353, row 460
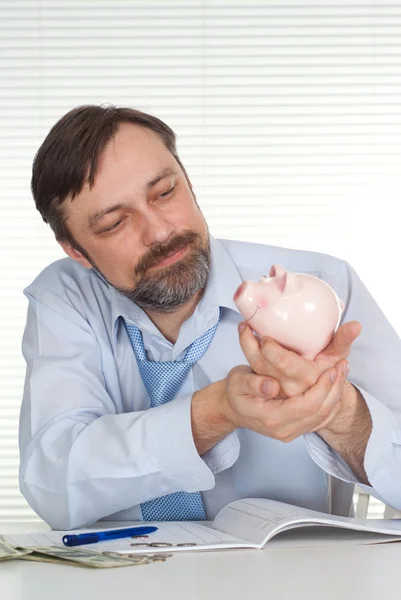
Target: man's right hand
column 244, row 399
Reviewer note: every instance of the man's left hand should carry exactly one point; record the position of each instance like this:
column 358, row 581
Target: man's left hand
column 294, row 373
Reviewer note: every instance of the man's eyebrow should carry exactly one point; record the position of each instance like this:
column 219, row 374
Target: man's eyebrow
column 93, row 219
column 160, row 176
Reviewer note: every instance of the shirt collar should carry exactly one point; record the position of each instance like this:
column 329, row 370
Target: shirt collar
column 222, row 281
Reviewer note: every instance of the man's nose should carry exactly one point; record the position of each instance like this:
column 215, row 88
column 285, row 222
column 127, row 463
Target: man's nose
column 156, row 228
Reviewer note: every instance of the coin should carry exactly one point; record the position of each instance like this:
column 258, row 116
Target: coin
column 143, row 544
column 160, row 557
column 184, row 544
column 160, row 545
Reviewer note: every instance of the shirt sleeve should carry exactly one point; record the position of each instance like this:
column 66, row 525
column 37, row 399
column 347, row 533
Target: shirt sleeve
column 375, row 370
column 81, row 460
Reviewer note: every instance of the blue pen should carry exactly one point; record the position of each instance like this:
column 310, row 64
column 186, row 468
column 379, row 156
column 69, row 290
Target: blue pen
column 99, row 536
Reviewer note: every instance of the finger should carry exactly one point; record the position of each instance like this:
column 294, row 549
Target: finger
column 250, row 384
column 332, row 402
column 251, row 349
column 306, row 412
column 318, row 399
column 344, row 338
column 284, row 360
column 295, row 373
column 299, row 414
column 261, row 387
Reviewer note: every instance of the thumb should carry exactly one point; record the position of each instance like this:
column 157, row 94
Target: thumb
column 344, row 338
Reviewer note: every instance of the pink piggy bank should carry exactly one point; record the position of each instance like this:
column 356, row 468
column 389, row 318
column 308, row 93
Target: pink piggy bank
column 301, row 312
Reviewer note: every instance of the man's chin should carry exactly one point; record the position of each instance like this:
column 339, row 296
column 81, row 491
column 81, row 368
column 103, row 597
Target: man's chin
column 172, row 286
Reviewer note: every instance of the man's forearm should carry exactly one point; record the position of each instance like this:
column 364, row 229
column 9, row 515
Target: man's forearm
column 209, row 424
column 349, row 433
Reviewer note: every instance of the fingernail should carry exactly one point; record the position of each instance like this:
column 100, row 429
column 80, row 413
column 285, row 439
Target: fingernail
column 241, row 327
column 333, row 376
column 267, row 387
column 345, row 370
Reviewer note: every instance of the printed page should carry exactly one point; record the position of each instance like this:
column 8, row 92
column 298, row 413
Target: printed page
column 202, row 536
column 321, row 536
column 258, row 520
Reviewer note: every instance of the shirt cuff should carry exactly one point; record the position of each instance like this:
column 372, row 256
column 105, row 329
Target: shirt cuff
column 224, row 454
column 169, row 432
column 381, row 465
column 328, row 459
column 378, row 455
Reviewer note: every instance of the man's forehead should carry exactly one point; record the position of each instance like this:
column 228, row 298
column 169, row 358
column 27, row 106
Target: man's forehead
column 134, row 138
column 133, row 149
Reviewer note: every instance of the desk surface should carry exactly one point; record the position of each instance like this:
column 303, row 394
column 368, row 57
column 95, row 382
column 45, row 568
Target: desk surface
column 355, row 572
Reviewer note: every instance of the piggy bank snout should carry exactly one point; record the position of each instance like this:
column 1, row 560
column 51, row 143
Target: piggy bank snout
column 245, row 299
column 247, row 293
column 240, row 291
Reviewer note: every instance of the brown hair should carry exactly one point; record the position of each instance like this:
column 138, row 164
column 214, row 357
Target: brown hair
column 69, row 156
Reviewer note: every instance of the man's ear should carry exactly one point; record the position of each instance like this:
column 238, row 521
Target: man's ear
column 75, row 254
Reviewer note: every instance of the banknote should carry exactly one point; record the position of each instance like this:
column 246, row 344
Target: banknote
column 82, row 557
column 7, row 551
column 43, row 558
column 76, row 556
column 37, row 557
column 89, row 558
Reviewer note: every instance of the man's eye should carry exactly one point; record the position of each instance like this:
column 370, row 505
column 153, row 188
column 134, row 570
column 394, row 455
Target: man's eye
column 112, row 227
column 167, row 193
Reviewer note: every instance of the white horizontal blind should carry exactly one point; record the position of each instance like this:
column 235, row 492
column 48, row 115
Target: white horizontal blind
column 289, row 122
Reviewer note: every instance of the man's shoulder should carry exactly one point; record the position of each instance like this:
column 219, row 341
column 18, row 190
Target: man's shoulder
column 251, row 257
column 62, row 278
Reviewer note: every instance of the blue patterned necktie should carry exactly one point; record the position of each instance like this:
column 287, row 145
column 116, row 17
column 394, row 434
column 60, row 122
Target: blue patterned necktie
column 163, row 381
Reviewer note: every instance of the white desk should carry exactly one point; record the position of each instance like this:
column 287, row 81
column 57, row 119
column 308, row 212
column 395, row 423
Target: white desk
column 348, row 572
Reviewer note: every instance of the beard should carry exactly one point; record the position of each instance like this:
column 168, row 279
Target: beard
column 172, row 286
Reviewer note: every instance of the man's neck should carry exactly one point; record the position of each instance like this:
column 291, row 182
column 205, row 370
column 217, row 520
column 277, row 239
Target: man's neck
column 169, row 324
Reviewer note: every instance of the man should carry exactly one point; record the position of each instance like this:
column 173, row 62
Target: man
column 109, row 428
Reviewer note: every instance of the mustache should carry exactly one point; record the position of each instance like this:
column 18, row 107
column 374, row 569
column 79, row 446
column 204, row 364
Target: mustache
column 161, row 251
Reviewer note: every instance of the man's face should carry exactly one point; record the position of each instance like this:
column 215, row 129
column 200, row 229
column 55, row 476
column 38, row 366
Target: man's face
column 140, row 225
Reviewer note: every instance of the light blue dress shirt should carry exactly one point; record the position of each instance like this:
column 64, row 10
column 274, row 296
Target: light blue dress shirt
column 92, row 448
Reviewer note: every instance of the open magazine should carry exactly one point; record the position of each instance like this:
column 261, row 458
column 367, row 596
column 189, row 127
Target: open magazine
column 247, row 523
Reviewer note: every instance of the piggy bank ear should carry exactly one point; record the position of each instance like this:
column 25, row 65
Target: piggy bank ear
column 280, row 276
column 288, row 283
column 277, row 271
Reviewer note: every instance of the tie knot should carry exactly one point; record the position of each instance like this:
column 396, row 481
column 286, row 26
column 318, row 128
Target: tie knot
column 198, row 348
column 194, row 352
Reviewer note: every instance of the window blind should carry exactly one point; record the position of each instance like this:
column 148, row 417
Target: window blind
column 289, row 122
